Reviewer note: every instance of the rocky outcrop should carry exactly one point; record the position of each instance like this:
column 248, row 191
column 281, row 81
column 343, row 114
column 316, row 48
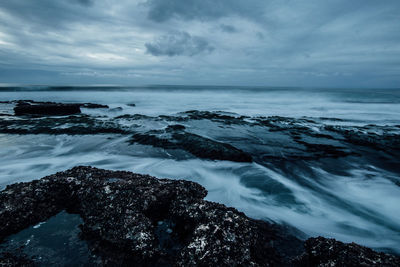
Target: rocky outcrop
column 175, row 137
column 137, row 218
column 30, row 107
column 141, row 220
column 52, row 109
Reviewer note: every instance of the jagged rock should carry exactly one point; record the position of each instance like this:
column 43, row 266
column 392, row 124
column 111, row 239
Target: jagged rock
column 329, row 252
column 132, row 219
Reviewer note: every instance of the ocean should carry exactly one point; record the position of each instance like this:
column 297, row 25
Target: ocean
column 323, row 161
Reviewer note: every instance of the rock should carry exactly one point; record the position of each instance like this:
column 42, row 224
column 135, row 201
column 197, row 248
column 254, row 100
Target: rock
column 116, row 109
column 53, row 109
column 174, row 137
column 129, row 218
column 137, row 219
column 30, row 107
column 15, row 259
column 73, row 125
column 367, row 136
column 219, row 116
column 329, row 252
column 93, row 106
column 175, row 127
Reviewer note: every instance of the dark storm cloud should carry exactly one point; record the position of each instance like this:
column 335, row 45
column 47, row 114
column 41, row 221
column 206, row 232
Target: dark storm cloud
column 161, row 10
column 177, row 44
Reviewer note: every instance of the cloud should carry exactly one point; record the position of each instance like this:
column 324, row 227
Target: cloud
column 227, row 28
column 85, row 2
column 162, row 10
column 48, row 14
column 178, row 44
column 288, row 42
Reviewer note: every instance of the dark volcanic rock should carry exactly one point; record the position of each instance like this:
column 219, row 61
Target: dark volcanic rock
column 174, row 137
column 52, row 109
column 329, row 252
column 130, row 218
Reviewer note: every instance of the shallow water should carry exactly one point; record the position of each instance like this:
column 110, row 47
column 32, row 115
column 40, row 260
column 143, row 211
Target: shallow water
column 53, row 242
column 351, row 198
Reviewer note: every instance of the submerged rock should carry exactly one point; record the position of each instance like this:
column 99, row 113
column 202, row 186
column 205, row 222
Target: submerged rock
column 132, row 219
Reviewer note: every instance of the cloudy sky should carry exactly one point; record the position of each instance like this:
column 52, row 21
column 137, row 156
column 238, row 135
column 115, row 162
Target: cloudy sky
column 329, row 43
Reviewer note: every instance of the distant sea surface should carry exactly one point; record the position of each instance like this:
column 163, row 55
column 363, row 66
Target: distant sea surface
column 325, row 161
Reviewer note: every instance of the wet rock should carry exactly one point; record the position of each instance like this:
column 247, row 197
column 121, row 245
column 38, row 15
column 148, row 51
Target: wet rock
column 132, row 218
column 227, row 136
column 38, row 108
column 116, row 109
column 326, row 150
column 222, row 117
column 134, row 117
column 138, row 219
column 72, row 125
column 46, row 109
column 329, row 252
column 175, row 127
column 93, row 106
column 378, row 138
column 174, row 137
column 15, row 258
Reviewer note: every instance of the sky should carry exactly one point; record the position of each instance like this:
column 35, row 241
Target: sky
column 305, row 43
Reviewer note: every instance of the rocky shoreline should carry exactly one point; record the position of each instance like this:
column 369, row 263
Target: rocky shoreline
column 137, row 219
column 214, row 135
